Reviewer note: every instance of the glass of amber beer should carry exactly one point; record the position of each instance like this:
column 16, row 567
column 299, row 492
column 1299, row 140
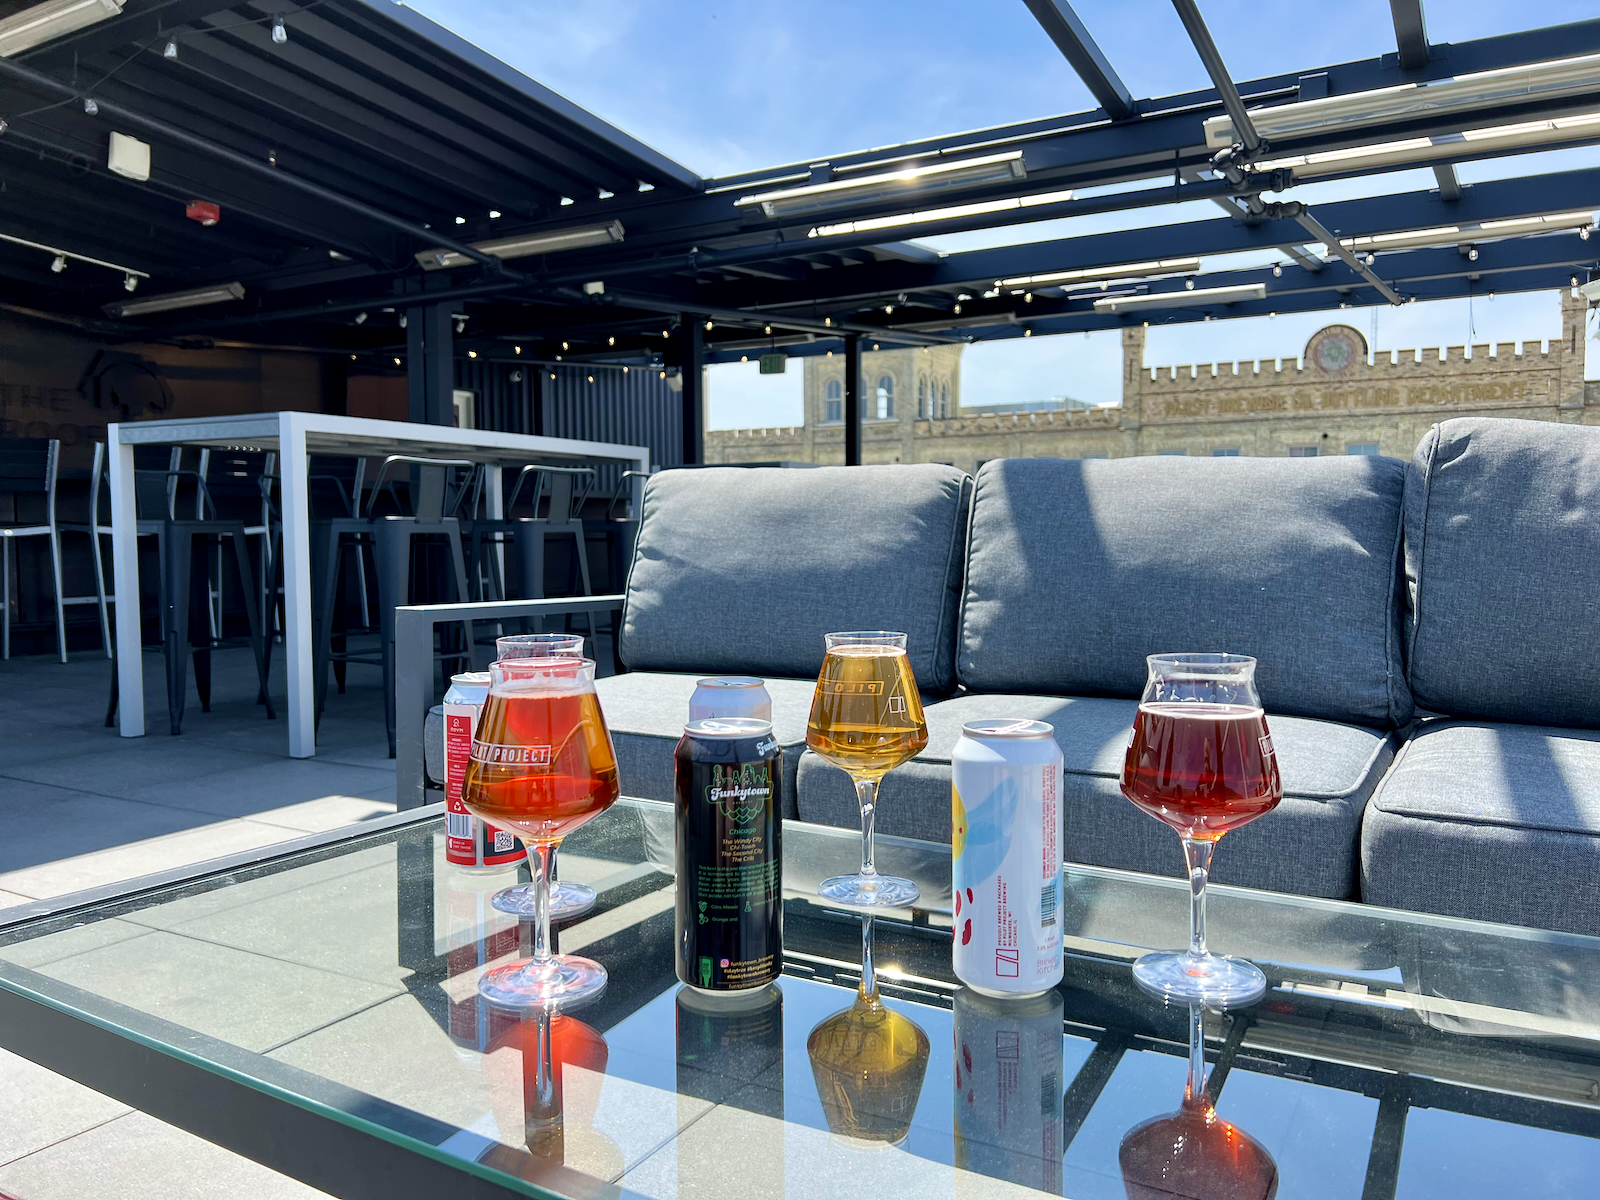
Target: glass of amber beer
column 1201, row 760
column 866, row 719
column 542, row 764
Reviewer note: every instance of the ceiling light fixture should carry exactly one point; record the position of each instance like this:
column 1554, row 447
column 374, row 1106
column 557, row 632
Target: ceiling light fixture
column 550, row 242
column 1149, row 269
column 130, row 283
column 52, row 19
column 989, row 168
column 219, row 293
column 58, row 252
column 1477, row 143
column 952, row 213
column 1484, row 231
column 1410, row 101
column 1222, row 295
column 361, row 318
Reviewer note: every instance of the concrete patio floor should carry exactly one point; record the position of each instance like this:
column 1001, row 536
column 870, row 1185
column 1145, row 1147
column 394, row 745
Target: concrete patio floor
column 81, row 807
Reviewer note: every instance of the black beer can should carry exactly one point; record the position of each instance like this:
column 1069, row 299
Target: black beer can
column 729, row 855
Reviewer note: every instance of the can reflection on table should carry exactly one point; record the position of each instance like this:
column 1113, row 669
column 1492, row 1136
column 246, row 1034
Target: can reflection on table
column 727, row 1042
column 1008, row 1088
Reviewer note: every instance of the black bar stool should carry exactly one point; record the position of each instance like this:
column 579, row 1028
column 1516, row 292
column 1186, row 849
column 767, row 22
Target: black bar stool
column 562, row 491
column 28, row 468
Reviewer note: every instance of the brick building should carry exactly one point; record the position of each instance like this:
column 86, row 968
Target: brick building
column 1337, row 399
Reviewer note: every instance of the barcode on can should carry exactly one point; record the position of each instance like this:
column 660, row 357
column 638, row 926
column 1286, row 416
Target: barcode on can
column 1047, row 903
column 459, row 825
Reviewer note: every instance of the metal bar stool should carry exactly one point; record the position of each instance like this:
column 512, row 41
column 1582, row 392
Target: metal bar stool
column 394, row 539
column 96, row 530
column 562, row 491
column 28, row 468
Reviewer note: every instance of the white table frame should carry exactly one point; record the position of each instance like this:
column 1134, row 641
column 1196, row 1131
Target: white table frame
column 296, row 436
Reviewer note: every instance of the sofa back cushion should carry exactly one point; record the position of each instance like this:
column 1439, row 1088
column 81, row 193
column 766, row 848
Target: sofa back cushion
column 1503, row 570
column 1079, row 569
column 744, row 569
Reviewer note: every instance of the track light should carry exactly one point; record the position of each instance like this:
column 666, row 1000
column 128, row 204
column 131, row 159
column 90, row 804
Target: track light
column 1222, row 295
column 280, row 35
column 58, row 264
column 516, row 377
column 130, row 282
column 361, row 318
column 534, row 243
column 404, row 320
column 216, row 294
column 171, row 49
column 910, row 182
column 461, row 326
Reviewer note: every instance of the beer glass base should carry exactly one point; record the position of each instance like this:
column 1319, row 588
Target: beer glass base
column 567, row 900
column 1215, row 980
column 870, row 891
column 562, row 979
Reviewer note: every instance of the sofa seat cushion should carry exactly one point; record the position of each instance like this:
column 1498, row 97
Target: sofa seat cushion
column 646, row 712
column 1306, row 845
column 1490, row 822
column 744, row 569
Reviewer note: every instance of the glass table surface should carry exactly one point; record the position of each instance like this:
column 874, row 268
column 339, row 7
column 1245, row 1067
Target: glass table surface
column 317, row 1010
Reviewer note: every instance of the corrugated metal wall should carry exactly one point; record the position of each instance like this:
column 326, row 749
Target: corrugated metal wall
column 635, row 408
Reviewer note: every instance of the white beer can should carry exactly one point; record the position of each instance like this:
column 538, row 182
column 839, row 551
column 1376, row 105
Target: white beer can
column 1006, row 840
column 730, row 696
column 1008, row 1089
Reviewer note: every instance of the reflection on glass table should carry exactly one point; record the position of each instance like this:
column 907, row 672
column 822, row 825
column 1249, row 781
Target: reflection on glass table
column 334, row 990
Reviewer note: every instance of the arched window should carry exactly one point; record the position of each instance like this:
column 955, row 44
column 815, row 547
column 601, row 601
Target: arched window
column 833, row 409
column 944, row 400
column 922, row 399
column 885, row 397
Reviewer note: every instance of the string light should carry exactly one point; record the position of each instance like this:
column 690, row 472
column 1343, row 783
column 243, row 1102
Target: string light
column 171, row 49
column 516, row 349
column 472, row 354
column 709, row 326
column 1277, row 270
column 280, row 35
column 90, row 107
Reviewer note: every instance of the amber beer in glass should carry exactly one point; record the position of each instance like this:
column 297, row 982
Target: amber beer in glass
column 566, row 899
column 1201, row 760
column 866, row 719
column 542, row 764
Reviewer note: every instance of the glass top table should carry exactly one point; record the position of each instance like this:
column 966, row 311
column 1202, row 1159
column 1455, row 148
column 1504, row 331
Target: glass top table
column 316, row 1010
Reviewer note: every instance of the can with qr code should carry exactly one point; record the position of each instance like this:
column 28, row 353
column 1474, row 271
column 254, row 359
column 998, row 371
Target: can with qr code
column 469, row 842
column 1006, row 841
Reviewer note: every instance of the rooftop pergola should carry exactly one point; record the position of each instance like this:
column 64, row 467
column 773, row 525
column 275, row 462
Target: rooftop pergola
column 389, row 191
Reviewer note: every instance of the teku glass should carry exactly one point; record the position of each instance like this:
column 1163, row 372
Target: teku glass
column 866, row 719
column 1193, row 1154
column 542, row 764
column 567, row 900
column 1201, row 759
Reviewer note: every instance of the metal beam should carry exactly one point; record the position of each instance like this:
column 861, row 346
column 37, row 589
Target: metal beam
column 1194, row 23
column 692, row 340
column 1337, row 248
column 1449, row 185
column 1072, row 39
column 852, row 400
column 1410, row 33
column 430, row 364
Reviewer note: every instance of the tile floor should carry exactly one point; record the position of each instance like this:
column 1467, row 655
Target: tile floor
column 81, row 807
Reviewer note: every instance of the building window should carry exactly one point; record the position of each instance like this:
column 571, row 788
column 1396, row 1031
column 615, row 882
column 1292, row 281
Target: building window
column 885, row 409
column 1229, row 452
column 1303, row 451
column 922, row 399
column 944, row 400
column 1361, row 448
column 833, row 409
column 1179, row 453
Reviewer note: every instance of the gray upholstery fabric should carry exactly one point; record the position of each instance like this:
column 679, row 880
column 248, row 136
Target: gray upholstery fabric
column 1489, row 822
column 1306, row 845
column 1077, row 570
column 1503, row 564
column 646, row 711
column 744, row 569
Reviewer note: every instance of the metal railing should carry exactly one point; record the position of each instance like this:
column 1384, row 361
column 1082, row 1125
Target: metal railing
column 414, row 664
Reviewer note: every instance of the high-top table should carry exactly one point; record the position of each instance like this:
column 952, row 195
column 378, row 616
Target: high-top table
column 296, row 436
column 314, row 1006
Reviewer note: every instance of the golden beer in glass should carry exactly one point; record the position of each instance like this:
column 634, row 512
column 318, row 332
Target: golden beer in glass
column 866, row 719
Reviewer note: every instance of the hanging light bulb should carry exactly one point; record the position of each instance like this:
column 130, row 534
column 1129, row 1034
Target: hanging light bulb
column 624, row 370
column 611, row 341
column 404, row 320
column 279, row 33
column 472, row 354
column 129, row 282
column 767, row 330
column 59, row 263
column 397, row 362
column 171, row 49
column 90, row 107
column 666, row 333
column 591, row 379
column 1472, row 255
column 564, row 346
column 1277, row 270
column 1027, row 297
column 516, row 349
column 888, row 310
column 709, row 326
column 1189, row 284
column 1584, row 233
column 827, row 321
column 663, row 374
column 1027, row 333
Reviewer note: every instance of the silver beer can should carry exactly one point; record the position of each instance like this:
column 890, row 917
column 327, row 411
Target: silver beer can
column 1006, row 844
column 1008, row 1088
column 730, row 696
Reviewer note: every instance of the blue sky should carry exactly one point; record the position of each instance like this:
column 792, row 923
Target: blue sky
column 730, row 85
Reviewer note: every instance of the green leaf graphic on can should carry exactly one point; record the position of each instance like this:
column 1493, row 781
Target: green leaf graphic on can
column 705, row 972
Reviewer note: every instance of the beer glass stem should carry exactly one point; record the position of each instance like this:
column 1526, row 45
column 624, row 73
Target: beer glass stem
column 1195, row 1089
column 540, row 860
column 1197, row 855
column 867, row 797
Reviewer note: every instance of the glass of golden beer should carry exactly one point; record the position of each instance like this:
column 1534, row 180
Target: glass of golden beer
column 866, row 719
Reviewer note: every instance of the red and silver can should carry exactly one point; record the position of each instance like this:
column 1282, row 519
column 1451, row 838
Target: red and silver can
column 730, row 696
column 1006, row 840
column 469, row 842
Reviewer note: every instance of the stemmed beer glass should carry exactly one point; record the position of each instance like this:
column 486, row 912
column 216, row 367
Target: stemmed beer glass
column 542, row 764
column 1201, row 760
column 866, row 719
column 567, row 900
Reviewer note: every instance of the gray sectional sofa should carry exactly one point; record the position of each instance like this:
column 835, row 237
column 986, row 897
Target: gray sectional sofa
column 1426, row 634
